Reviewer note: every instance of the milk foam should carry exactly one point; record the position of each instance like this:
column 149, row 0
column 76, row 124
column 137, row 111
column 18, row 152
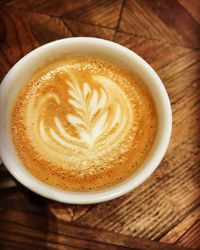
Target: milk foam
column 100, row 114
column 79, row 117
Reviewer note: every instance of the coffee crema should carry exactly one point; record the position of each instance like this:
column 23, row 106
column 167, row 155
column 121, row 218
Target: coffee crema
column 83, row 124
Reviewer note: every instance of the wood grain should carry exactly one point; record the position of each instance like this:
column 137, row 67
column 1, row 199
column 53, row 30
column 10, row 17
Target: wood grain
column 192, row 7
column 103, row 12
column 151, row 19
column 84, row 29
column 184, row 228
column 166, row 207
column 30, row 232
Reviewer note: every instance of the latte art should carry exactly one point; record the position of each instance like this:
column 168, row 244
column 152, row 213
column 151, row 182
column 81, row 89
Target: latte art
column 78, row 120
column 98, row 117
column 101, row 103
column 88, row 103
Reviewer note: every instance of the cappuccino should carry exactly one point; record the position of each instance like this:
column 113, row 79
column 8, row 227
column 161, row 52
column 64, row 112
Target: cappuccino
column 83, row 124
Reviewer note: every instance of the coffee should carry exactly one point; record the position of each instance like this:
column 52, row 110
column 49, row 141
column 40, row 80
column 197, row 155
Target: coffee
column 83, row 124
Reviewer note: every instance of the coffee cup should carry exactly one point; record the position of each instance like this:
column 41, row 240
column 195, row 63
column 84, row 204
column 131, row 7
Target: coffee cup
column 22, row 71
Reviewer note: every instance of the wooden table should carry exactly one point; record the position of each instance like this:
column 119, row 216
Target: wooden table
column 166, row 208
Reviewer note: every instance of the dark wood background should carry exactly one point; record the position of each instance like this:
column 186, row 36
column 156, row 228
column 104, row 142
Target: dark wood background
column 166, row 208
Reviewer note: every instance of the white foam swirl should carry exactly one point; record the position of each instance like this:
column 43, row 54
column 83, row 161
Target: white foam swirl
column 96, row 127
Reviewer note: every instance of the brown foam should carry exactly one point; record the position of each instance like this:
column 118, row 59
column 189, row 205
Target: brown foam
column 83, row 124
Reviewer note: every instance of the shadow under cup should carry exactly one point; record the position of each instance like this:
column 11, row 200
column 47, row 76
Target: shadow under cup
column 102, row 49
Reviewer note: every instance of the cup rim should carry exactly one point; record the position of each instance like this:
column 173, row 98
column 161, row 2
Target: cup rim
column 116, row 190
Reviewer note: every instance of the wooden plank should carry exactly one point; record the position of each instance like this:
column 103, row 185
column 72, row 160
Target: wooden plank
column 83, row 29
column 151, row 19
column 18, row 227
column 63, row 212
column 17, row 40
column 182, row 229
column 104, row 13
column 29, row 30
column 67, row 212
column 33, row 238
column 159, row 54
column 192, row 7
column 191, row 238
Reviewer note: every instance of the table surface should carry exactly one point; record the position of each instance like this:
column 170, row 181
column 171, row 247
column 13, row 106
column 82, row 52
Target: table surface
column 166, row 208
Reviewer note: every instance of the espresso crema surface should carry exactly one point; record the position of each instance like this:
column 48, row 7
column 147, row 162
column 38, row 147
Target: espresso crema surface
column 83, row 124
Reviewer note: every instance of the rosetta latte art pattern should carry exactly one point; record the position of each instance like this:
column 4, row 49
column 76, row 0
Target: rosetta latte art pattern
column 100, row 118
column 83, row 124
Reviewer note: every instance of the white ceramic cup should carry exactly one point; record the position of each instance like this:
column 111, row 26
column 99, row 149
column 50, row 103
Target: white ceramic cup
column 22, row 71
